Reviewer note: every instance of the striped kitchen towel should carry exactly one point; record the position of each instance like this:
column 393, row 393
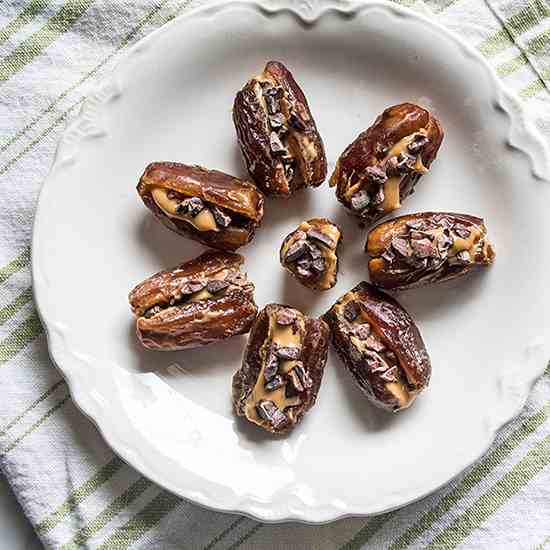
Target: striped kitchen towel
column 76, row 493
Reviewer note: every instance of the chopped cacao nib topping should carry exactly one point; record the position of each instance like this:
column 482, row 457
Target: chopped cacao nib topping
column 388, row 256
column 463, row 257
column 378, row 197
column 319, row 265
column 190, row 287
column 276, row 382
column 405, row 163
column 314, row 251
column 193, row 206
column 296, row 122
column 418, row 143
column 272, row 90
column 276, row 145
column 271, row 413
column 375, row 344
column 415, row 234
column 171, row 194
column 391, row 375
column 277, row 120
column 380, row 366
column 216, row 285
column 271, row 365
column 376, row 174
column 296, row 251
column 400, row 245
column 295, row 380
column 360, row 200
column 351, row 310
column 152, row 311
column 288, row 353
column 362, row 331
column 272, row 103
column 286, row 317
column 424, row 248
column 462, row 232
column 373, row 360
column 392, row 168
column 302, row 375
column 317, row 235
column 444, row 242
column 415, row 224
column 304, row 263
column 220, row 217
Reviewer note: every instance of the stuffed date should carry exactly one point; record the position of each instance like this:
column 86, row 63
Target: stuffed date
column 418, row 249
column 281, row 146
column 208, row 206
column 380, row 169
column 380, row 345
column 310, row 253
column 201, row 301
column 282, row 368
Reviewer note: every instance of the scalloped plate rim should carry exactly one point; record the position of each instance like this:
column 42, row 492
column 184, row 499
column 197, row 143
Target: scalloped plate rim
column 533, row 147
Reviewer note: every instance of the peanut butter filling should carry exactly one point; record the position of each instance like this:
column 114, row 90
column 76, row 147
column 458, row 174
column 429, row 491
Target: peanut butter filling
column 203, row 221
column 181, row 298
column 390, row 184
column 282, row 336
column 392, row 199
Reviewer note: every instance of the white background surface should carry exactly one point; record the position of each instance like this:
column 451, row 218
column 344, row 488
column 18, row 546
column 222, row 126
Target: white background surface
column 16, row 532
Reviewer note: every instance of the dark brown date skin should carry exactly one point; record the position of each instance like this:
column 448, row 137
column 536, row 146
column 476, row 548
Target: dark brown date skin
column 292, row 395
column 429, row 247
column 380, row 169
column 281, row 146
column 201, row 301
column 379, row 343
column 235, row 205
column 310, row 253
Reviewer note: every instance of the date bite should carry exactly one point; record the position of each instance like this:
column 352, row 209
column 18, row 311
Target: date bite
column 428, row 247
column 208, row 206
column 310, row 253
column 281, row 146
column 379, row 343
column 201, row 301
column 380, row 169
column 282, row 368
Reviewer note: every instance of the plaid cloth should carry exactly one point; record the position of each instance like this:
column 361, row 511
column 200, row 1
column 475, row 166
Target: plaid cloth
column 76, row 493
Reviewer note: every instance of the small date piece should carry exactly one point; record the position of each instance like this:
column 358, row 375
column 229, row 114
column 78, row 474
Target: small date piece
column 380, row 345
column 380, row 169
column 282, row 368
column 418, row 249
column 281, row 146
column 201, row 301
column 310, row 253
column 208, row 206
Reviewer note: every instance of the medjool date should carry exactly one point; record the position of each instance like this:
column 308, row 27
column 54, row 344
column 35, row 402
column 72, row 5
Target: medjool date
column 282, row 368
column 201, row 301
column 208, row 206
column 379, row 170
column 429, row 247
column 380, row 345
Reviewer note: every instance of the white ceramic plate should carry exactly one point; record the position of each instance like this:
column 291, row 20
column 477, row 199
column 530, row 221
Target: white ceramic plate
column 169, row 415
